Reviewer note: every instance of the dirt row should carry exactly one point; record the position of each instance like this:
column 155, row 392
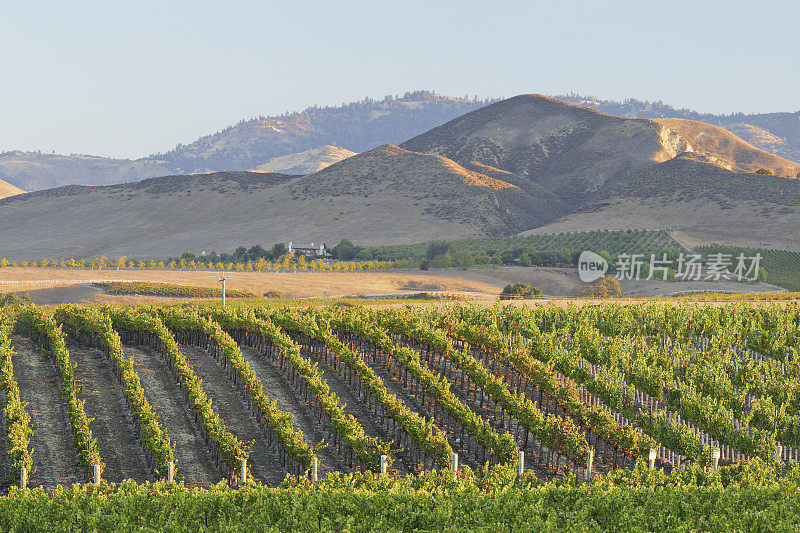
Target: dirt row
column 277, row 387
column 193, row 461
column 235, row 414
column 111, row 421
column 54, row 455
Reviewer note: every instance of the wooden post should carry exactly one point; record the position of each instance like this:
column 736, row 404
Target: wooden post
column 589, row 461
column 715, row 458
column 96, row 469
column 243, row 473
column 170, row 472
column 521, row 465
column 779, row 452
column 454, row 465
column 222, row 280
column 651, row 463
column 383, row 465
column 23, row 478
column 314, row 469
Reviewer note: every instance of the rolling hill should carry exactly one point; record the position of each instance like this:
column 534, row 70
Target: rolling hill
column 356, row 126
column 385, row 195
column 529, row 163
column 777, row 133
column 35, row 171
column 699, row 202
column 573, row 150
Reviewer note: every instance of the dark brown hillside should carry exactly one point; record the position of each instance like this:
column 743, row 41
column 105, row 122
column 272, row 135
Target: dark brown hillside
column 438, row 186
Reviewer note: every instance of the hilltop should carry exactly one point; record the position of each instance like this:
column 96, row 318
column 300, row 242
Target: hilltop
column 573, row 150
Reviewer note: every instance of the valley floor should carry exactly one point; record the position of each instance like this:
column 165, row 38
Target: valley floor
column 56, row 286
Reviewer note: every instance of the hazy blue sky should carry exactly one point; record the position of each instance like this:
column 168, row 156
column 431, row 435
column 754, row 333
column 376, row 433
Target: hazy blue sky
column 132, row 78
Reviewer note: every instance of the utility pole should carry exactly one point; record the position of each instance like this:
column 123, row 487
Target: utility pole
column 222, row 279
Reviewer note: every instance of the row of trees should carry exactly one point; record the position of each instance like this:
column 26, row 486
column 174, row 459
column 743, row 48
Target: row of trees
column 287, row 262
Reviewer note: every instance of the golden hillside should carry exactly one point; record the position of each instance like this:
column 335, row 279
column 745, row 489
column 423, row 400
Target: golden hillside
column 726, row 150
column 6, row 189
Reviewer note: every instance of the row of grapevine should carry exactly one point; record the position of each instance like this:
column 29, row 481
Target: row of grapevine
column 366, row 449
column 44, row 331
column 520, row 370
column 317, row 338
column 556, row 433
column 643, row 369
column 709, row 412
column 15, row 419
column 93, row 327
column 279, row 424
column 501, row 447
column 149, row 330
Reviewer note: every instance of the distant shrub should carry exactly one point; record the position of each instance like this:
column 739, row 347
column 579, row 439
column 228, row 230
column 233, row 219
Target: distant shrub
column 764, row 171
column 607, row 287
column 273, row 294
column 520, row 291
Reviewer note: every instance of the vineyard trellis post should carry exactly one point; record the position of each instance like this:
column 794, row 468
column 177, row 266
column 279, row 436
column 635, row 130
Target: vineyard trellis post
column 23, row 478
column 454, row 465
column 589, row 461
column 96, row 469
column 222, row 279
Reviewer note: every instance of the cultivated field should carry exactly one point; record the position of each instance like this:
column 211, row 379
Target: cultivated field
column 520, row 395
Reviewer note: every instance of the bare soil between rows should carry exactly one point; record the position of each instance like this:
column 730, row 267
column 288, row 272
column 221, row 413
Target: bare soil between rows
column 55, row 460
column 235, row 414
column 118, row 440
column 193, row 461
column 277, row 387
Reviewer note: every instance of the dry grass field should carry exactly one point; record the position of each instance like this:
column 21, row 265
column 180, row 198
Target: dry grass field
column 290, row 285
column 479, row 285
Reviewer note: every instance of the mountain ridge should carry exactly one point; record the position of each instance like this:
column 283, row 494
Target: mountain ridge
column 357, row 126
column 527, row 163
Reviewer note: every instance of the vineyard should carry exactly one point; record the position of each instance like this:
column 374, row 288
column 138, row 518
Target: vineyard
column 169, row 289
column 634, row 241
column 534, row 402
column 782, row 266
